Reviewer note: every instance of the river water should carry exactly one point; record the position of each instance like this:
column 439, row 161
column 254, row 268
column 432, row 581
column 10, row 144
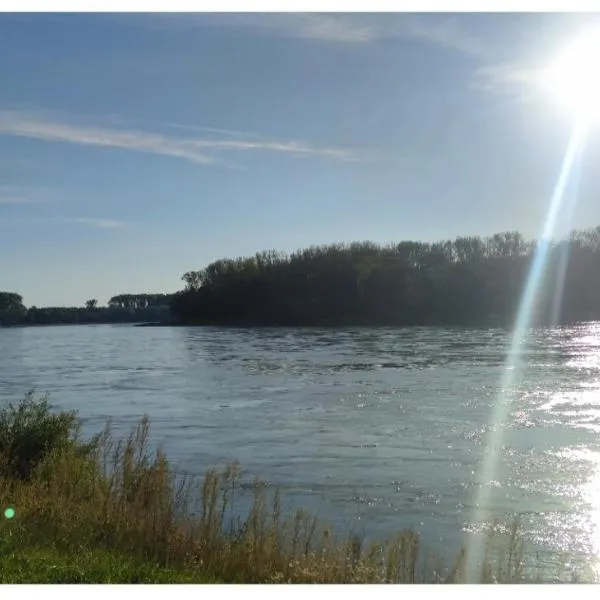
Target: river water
column 376, row 429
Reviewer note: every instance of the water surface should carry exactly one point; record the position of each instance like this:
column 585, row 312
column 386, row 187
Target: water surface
column 378, row 429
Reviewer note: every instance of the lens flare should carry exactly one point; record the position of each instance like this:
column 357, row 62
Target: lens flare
column 476, row 543
column 565, row 247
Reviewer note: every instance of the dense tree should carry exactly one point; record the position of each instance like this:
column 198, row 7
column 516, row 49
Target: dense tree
column 468, row 281
column 10, row 301
column 12, row 309
column 91, row 304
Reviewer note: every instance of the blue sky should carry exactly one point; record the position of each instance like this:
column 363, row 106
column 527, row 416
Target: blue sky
column 136, row 147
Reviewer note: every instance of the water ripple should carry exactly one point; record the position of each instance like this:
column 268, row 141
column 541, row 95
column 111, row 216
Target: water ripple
column 387, row 426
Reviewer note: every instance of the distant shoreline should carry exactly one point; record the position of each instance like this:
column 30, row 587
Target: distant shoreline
column 24, row 325
column 250, row 325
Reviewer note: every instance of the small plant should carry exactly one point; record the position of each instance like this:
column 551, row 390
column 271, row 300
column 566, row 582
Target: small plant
column 30, row 433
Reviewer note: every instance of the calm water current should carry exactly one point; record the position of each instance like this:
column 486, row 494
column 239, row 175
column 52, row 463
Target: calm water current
column 376, row 429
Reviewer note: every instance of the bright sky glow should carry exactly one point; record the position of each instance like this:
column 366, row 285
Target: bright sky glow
column 574, row 79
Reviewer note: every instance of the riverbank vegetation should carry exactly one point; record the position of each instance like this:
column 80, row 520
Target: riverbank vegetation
column 123, row 308
column 101, row 510
column 468, row 281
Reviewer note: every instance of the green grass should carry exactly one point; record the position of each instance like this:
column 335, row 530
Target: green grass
column 47, row 564
column 111, row 511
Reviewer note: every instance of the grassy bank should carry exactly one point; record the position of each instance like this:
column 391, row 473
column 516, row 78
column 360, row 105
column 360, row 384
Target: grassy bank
column 109, row 511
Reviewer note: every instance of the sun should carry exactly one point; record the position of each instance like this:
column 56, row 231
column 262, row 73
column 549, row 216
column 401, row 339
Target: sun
column 573, row 78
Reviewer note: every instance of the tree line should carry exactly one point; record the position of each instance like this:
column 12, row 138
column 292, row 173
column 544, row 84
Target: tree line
column 123, row 308
column 467, row 281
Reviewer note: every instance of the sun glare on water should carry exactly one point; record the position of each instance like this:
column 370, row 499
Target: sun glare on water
column 573, row 81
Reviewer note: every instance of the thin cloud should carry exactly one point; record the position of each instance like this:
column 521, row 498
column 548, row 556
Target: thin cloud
column 328, row 28
column 471, row 37
column 24, row 125
column 283, row 147
column 19, row 195
column 192, row 150
column 15, row 200
column 49, row 221
column 309, row 26
column 97, row 223
column 447, row 31
column 217, row 130
column 254, row 141
column 507, row 78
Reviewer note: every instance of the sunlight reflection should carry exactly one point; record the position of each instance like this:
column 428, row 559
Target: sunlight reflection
column 487, row 471
column 590, row 496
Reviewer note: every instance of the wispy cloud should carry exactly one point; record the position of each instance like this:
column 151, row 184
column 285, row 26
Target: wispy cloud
column 323, row 27
column 49, row 221
column 30, row 126
column 453, row 32
column 478, row 38
column 217, row 130
column 267, row 145
column 448, row 31
column 15, row 200
column 97, row 223
column 17, row 194
column 484, row 39
column 191, row 149
column 519, row 80
column 504, row 77
column 309, row 26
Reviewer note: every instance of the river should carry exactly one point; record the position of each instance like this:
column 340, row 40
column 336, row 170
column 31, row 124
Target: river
column 377, row 429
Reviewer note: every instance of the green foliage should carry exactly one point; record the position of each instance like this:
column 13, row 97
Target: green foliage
column 10, row 302
column 468, row 281
column 30, row 433
column 51, row 564
column 12, row 309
